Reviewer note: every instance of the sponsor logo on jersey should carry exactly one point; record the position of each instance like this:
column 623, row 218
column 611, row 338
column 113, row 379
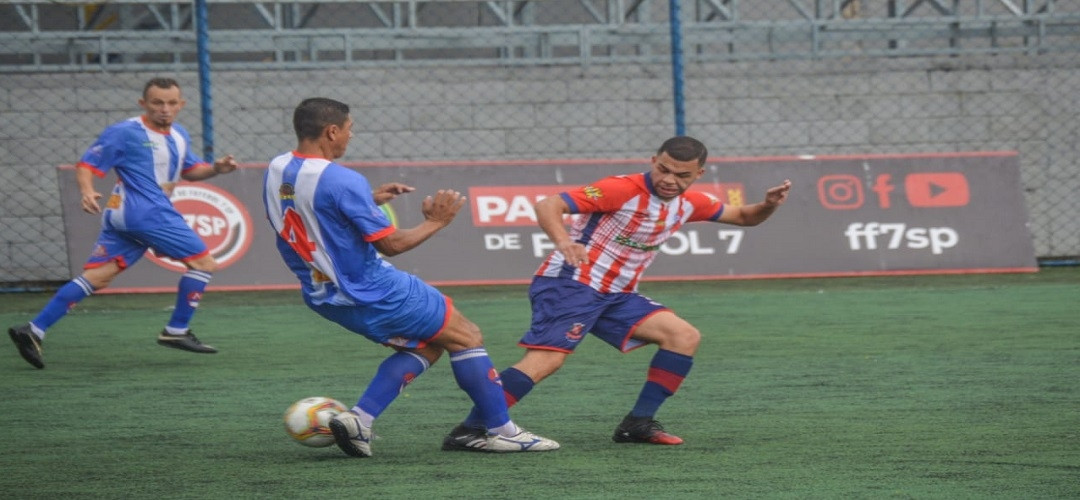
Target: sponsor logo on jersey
column 220, row 220
column 286, row 191
column 389, row 212
column 593, row 193
column 625, row 240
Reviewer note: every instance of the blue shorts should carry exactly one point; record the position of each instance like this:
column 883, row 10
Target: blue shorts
column 563, row 311
column 175, row 240
column 409, row 317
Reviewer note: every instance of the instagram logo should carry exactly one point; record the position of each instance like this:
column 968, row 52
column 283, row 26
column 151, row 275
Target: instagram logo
column 840, row 192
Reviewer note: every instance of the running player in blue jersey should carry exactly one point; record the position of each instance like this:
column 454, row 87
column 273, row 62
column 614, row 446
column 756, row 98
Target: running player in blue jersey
column 150, row 154
column 331, row 233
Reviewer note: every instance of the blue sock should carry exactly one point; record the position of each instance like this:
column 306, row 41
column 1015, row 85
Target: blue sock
column 393, row 375
column 476, row 376
column 188, row 294
column 516, row 385
column 65, row 298
column 666, row 372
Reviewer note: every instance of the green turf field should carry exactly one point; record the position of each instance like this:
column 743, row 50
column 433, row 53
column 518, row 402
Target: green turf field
column 901, row 387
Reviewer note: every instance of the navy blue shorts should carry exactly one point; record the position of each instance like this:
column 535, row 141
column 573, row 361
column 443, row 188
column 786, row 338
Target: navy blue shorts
column 563, row 311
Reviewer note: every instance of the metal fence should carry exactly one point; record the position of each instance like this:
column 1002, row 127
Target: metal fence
column 472, row 79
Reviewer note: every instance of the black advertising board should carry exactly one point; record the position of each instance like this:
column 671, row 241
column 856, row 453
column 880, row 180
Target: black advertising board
column 846, row 216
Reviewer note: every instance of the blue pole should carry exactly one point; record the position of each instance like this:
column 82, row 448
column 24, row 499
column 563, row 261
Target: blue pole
column 202, row 43
column 677, row 66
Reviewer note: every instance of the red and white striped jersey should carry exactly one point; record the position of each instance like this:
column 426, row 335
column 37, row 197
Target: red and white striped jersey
column 623, row 225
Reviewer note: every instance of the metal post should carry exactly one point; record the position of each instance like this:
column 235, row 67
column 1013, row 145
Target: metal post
column 202, row 43
column 677, row 67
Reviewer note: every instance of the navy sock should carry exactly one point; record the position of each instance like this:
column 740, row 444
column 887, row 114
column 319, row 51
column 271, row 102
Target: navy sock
column 666, row 372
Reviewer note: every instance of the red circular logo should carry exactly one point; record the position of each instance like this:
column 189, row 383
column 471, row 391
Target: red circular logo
column 219, row 219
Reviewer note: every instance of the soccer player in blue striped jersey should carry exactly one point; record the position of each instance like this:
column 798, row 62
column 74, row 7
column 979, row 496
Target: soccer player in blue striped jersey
column 150, row 154
column 330, row 233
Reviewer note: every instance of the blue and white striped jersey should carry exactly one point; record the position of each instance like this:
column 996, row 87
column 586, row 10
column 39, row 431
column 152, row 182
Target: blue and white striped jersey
column 326, row 220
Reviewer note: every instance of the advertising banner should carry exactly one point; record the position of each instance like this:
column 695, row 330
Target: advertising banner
column 846, row 216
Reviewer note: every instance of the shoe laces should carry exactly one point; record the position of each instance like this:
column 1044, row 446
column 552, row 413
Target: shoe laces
column 648, row 427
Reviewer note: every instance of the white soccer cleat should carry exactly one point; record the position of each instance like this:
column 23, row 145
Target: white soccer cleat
column 522, row 441
column 350, row 435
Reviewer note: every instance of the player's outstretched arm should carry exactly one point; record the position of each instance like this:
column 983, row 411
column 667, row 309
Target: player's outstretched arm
column 439, row 212
column 752, row 215
column 205, row 171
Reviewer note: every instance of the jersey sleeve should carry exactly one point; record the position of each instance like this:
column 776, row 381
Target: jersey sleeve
column 106, row 152
column 605, row 195
column 355, row 201
column 190, row 159
column 706, row 206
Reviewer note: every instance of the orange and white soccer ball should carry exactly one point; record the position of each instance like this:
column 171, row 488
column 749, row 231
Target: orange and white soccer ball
column 307, row 421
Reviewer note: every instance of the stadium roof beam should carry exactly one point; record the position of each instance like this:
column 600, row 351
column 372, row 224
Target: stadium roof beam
column 125, row 35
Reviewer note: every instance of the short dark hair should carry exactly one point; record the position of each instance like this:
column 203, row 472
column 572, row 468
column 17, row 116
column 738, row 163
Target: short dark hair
column 683, row 148
column 316, row 113
column 161, row 83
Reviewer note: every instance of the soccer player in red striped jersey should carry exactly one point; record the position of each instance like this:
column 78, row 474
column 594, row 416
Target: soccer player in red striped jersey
column 589, row 283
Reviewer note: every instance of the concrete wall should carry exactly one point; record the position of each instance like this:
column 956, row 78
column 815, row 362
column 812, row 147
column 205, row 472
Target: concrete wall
column 1029, row 104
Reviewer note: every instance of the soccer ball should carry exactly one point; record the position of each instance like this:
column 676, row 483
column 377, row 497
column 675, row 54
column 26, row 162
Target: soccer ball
column 307, row 420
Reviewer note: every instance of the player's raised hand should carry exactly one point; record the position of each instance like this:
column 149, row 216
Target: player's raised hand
column 442, row 207
column 389, row 191
column 90, row 202
column 225, row 164
column 776, row 196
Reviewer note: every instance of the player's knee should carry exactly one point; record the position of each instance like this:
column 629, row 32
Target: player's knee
column 99, row 282
column 206, row 264
column 459, row 333
column 101, row 277
column 684, row 340
column 471, row 335
column 430, row 352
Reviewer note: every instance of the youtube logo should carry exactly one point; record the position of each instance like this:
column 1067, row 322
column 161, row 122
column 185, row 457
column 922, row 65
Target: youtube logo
column 937, row 189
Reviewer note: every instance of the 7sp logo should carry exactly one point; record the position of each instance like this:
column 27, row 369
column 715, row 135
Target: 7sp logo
column 924, row 189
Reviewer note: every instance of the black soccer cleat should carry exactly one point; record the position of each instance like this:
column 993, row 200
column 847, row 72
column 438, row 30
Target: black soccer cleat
column 643, row 430
column 185, row 342
column 463, row 438
column 29, row 344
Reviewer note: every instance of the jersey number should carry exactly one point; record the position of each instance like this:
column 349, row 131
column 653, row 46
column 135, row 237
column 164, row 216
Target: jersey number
column 295, row 234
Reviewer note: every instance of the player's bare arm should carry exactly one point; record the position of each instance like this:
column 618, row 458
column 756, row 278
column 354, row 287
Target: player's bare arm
column 89, row 195
column 439, row 211
column 549, row 214
column 389, row 191
column 222, row 165
column 752, row 215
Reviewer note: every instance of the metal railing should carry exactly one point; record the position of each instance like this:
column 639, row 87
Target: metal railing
column 157, row 35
